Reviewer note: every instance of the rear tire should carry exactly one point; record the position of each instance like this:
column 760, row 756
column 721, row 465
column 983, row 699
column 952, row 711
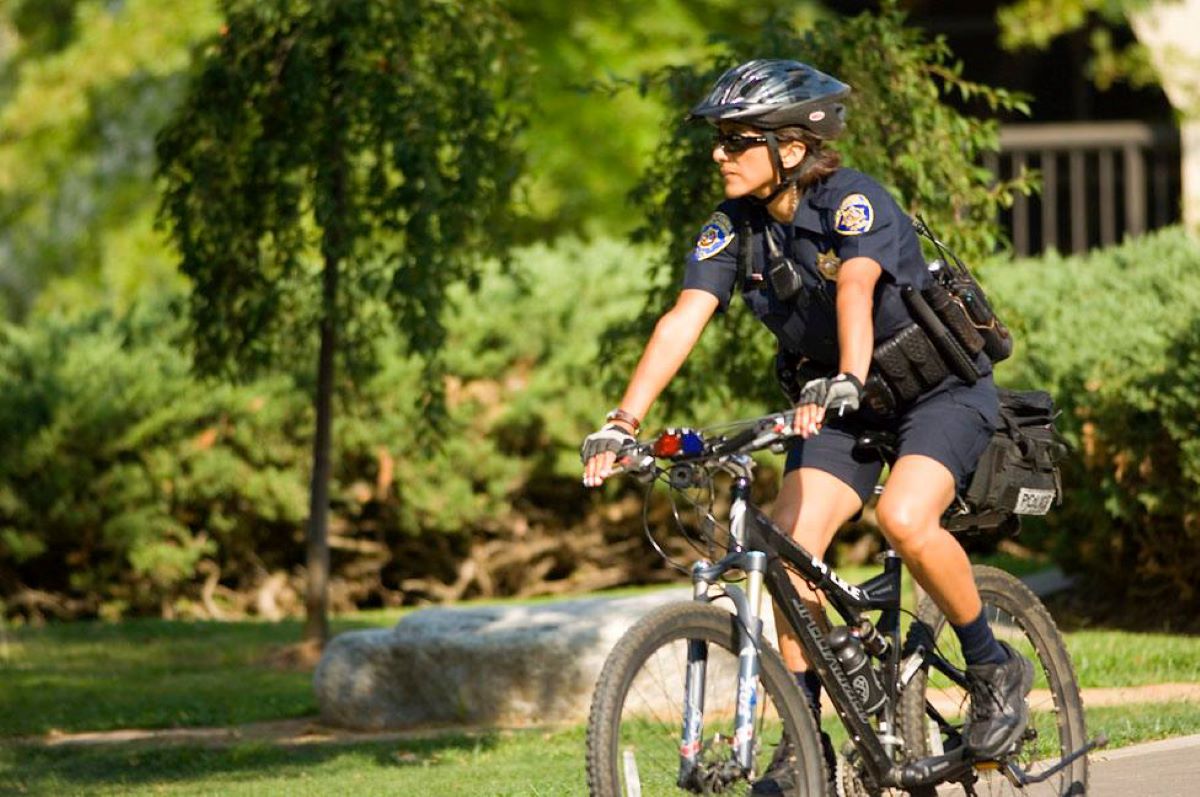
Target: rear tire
column 1055, row 708
column 634, row 730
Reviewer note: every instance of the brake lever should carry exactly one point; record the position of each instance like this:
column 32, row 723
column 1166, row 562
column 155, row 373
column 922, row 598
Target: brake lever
column 638, row 464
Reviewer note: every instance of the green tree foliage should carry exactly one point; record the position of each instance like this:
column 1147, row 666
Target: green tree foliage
column 77, row 195
column 85, row 86
column 900, row 131
column 375, row 134
column 1115, row 337
column 592, row 131
column 127, row 483
column 1038, row 23
column 339, row 162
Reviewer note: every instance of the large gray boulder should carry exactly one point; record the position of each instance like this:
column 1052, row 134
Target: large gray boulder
column 506, row 665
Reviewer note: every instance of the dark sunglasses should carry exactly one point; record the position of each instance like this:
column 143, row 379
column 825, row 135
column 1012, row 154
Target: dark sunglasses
column 734, row 143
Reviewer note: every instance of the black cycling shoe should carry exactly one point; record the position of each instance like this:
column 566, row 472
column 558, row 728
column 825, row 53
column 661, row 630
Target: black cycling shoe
column 780, row 777
column 998, row 712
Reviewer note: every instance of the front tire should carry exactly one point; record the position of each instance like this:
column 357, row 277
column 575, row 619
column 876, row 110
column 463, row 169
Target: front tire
column 1056, row 719
column 634, row 730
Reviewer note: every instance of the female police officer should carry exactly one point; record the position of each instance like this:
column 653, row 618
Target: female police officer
column 821, row 255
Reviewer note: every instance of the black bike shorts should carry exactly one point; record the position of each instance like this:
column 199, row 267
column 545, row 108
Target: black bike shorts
column 951, row 424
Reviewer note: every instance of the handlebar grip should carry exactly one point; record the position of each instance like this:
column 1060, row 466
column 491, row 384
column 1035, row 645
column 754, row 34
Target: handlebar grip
column 755, row 432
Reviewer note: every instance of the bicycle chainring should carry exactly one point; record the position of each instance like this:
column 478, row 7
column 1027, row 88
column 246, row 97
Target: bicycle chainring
column 851, row 780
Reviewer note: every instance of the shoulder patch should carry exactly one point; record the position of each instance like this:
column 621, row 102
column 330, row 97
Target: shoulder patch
column 855, row 215
column 715, row 235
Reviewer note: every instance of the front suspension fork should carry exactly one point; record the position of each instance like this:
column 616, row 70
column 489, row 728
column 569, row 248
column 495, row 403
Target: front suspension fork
column 748, row 607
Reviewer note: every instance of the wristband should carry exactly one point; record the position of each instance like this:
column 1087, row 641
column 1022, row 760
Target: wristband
column 624, row 417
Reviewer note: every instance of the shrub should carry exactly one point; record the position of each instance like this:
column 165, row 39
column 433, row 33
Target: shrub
column 129, row 485
column 1115, row 337
column 120, row 472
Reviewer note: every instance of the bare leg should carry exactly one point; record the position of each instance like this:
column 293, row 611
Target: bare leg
column 812, row 506
column 918, row 490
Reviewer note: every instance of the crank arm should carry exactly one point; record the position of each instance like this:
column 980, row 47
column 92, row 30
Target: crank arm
column 931, row 770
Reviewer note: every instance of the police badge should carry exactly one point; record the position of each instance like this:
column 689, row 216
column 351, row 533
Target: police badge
column 828, row 264
column 715, row 235
column 855, row 215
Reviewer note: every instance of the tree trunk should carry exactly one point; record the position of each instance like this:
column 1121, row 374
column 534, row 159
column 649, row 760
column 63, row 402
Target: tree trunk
column 316, row 626
column 334, row 221
column 1168, row 31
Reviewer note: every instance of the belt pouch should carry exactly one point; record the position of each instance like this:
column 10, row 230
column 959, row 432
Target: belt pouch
column 954, row 316
column 952, row 354
column 997, row 342
column 925, row 361
column 793, row 372
column 895, row 367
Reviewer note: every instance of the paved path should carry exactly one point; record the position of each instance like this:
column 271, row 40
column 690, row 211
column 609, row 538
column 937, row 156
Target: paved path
column 1167, row 768
column 1170, row 768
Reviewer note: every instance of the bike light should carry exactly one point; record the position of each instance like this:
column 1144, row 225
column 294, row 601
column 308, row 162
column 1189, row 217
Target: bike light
column 693, row 443
column 668, row 444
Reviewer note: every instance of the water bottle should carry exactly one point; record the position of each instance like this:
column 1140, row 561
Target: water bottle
column 857, row 667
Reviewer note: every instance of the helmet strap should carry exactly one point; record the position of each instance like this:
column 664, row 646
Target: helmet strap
column 786, row 180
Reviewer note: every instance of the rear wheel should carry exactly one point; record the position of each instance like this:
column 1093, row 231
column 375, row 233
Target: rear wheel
column 636, row 722
column 1056, row 721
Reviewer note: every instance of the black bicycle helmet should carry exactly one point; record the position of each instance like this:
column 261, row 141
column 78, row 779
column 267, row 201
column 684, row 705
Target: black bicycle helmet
column 772, row 93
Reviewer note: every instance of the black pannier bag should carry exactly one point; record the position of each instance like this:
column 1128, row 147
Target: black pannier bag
column 1018, row 473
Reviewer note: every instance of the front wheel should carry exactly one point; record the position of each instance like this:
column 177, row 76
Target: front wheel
column 636, row 722
column 1056, row 721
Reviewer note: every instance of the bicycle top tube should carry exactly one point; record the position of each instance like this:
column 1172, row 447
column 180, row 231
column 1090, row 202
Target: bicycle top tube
column 691, row 457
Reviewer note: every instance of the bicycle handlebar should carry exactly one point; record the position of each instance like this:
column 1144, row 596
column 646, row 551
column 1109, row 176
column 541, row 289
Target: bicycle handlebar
column 758, row 434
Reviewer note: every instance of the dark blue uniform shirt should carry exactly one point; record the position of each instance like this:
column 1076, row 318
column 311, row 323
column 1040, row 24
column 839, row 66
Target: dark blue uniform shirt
column 846, row 215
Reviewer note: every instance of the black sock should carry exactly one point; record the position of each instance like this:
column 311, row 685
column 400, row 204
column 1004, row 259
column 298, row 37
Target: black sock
column 979, row 646
column 810, row 685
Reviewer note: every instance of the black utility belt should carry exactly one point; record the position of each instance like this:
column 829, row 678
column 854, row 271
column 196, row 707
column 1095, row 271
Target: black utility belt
column 902, row 368
column 909, row 364
column 919, row 357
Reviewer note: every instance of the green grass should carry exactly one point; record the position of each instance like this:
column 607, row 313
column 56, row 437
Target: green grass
column 1126, row 725
column 148, row 674
column 94, row 676
column 513, row 763
column 1126, row 658
column 152, row 673
column 523, row 763
column 97, row 676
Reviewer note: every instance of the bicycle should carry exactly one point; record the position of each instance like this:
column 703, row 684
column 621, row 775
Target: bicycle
column 693, row 700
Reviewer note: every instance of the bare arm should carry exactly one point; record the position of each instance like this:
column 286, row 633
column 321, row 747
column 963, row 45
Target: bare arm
column 855, row 311
column 856, row 331
column 674, row 337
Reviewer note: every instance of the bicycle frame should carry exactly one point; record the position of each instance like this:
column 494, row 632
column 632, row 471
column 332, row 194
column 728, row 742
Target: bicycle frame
column 760, row 550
